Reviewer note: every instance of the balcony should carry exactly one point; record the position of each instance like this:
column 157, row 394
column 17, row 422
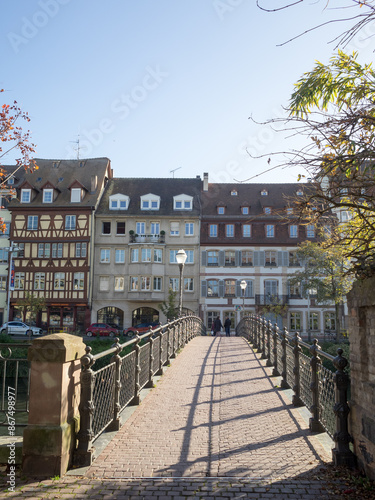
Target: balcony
column 146, row 238
column 273, row 300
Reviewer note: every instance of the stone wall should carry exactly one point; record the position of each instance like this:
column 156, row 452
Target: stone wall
column 361, row 328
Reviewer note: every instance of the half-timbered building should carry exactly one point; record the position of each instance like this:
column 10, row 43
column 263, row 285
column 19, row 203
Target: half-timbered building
column 52, row 228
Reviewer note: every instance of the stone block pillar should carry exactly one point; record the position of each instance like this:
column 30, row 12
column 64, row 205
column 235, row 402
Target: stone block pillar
column 361, row 328
column 49, row 438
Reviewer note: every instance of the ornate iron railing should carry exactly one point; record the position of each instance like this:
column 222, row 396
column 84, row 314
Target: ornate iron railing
column 321, row 390
column 106, row 392
column 14, row 384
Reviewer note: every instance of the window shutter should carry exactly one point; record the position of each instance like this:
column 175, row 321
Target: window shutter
column 249, row 289
column 221, row 288
column 256, row 258
column 238, row 289
column 204, row 288
column 285, row 258
column 204, row 258
column 237, row 258
column 279, row 258
column 262, row 258
column 221, row 258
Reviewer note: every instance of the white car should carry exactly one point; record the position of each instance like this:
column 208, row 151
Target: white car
column 19, row 328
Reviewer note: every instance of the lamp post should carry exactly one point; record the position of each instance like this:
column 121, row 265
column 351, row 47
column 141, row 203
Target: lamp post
column 12, row 249
column 181, row 259
column 243, row 286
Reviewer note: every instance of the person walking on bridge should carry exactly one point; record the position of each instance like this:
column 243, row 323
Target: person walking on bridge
column 227, row 325
column 217, row 325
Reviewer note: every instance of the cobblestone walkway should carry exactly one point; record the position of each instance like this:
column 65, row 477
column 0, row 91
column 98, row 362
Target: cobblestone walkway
column 214, row 427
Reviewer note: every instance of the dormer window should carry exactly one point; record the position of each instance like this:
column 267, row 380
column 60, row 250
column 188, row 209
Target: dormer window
column 11, row 181
column 55, row 164
column 182, row 202
column 289, row 211
column 300, row 192
column 267, row 210
column 75, row 195
column 245, row 210
column 221, row 210
column 233, row 192
column 150, row 202
column 119, row 202
column 25, row 195
column 264, row 192
column 47, row 195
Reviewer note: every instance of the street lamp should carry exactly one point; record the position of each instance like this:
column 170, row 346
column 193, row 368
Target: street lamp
column 12, row 249
column 181, row 259
column 243, row 286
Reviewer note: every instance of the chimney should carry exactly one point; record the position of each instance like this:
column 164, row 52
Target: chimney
column 94, row 183
column 205, row 181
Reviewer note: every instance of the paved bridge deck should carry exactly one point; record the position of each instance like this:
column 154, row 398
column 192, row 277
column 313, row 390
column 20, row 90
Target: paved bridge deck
column 214, row 426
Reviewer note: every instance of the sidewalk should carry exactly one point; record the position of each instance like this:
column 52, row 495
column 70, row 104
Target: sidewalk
column 214, row 427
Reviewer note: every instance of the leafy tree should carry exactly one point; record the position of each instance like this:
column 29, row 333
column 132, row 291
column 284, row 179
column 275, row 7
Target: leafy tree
column 32, row 304
column 169, row 307
column 323, row 271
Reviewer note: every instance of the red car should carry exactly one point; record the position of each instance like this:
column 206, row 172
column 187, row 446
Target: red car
column 101, row 329
column 141, row 328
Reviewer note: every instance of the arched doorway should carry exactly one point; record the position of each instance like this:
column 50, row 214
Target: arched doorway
column 111, row 315
column 144, row 315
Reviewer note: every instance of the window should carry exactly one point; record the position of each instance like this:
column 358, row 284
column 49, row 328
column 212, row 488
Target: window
column 81, row 249
column 4, row 253
column 106, row 227
column 230, row 288
column 289, row 211
column 32, row 222
column 104, row 283
column 230, row 258
column 189, row 256
column 47, row 195
column 245, row 210
column 270, row 231
column 134, row 283
column 3, row 283
column 175, row 229
column 213, row 230
column 21, row 251
column 313, row 321
column 155, row 228
column 119, row 256
column 146, row 254
column 59, row 281
column 140, row 228
column 189, row 228
column 299, row 192
column 134, row 255
column 120, row 228
column 189, row 284
column 150, row 202
column 118, row 202
column 57, row 250
column 212, row 288
column 6, row 229
column 330, row 321
column 119, row 283
column 270, row 258
column 212, row 258
column 246, row 230
column 158, row 284
column 19, row 281
column 158, row 255
column 264, row 192
column 25, row 195
column 174, row 283
column 229, row 230
column 293, row 260
column 182, row 202
column 221, row 210
column 310, row 231
column 246, row 258
column 172, row 256
column 44, row 250
column 75, row 195
column 70, row 222
column 267, row 210
column 39, row 281
column 295, row 322
column 105, row 255
column 293, row 231
column 79, row 281
column 233, row 192
column 145, row 283
column 295, row 291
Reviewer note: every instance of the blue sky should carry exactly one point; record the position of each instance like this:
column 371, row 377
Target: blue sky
column 160, row 85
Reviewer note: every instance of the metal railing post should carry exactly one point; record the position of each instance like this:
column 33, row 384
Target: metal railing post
column 275, row 336
column 83, row 455
column 137, row 386
column 116, row 358
column 341, row 453
column 284, row 341
column 173, row 354
column 160, row 335
column 150, row 382
column 315, row 363
column 296, row 400
column 263, row 341
column 269, row 330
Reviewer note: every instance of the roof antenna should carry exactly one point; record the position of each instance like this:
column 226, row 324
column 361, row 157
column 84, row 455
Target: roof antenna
column 77, row 148
column 173, row 171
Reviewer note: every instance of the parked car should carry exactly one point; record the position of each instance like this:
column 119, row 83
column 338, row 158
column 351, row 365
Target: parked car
column 102, row 329
column 141, row 328
column 19, row 328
